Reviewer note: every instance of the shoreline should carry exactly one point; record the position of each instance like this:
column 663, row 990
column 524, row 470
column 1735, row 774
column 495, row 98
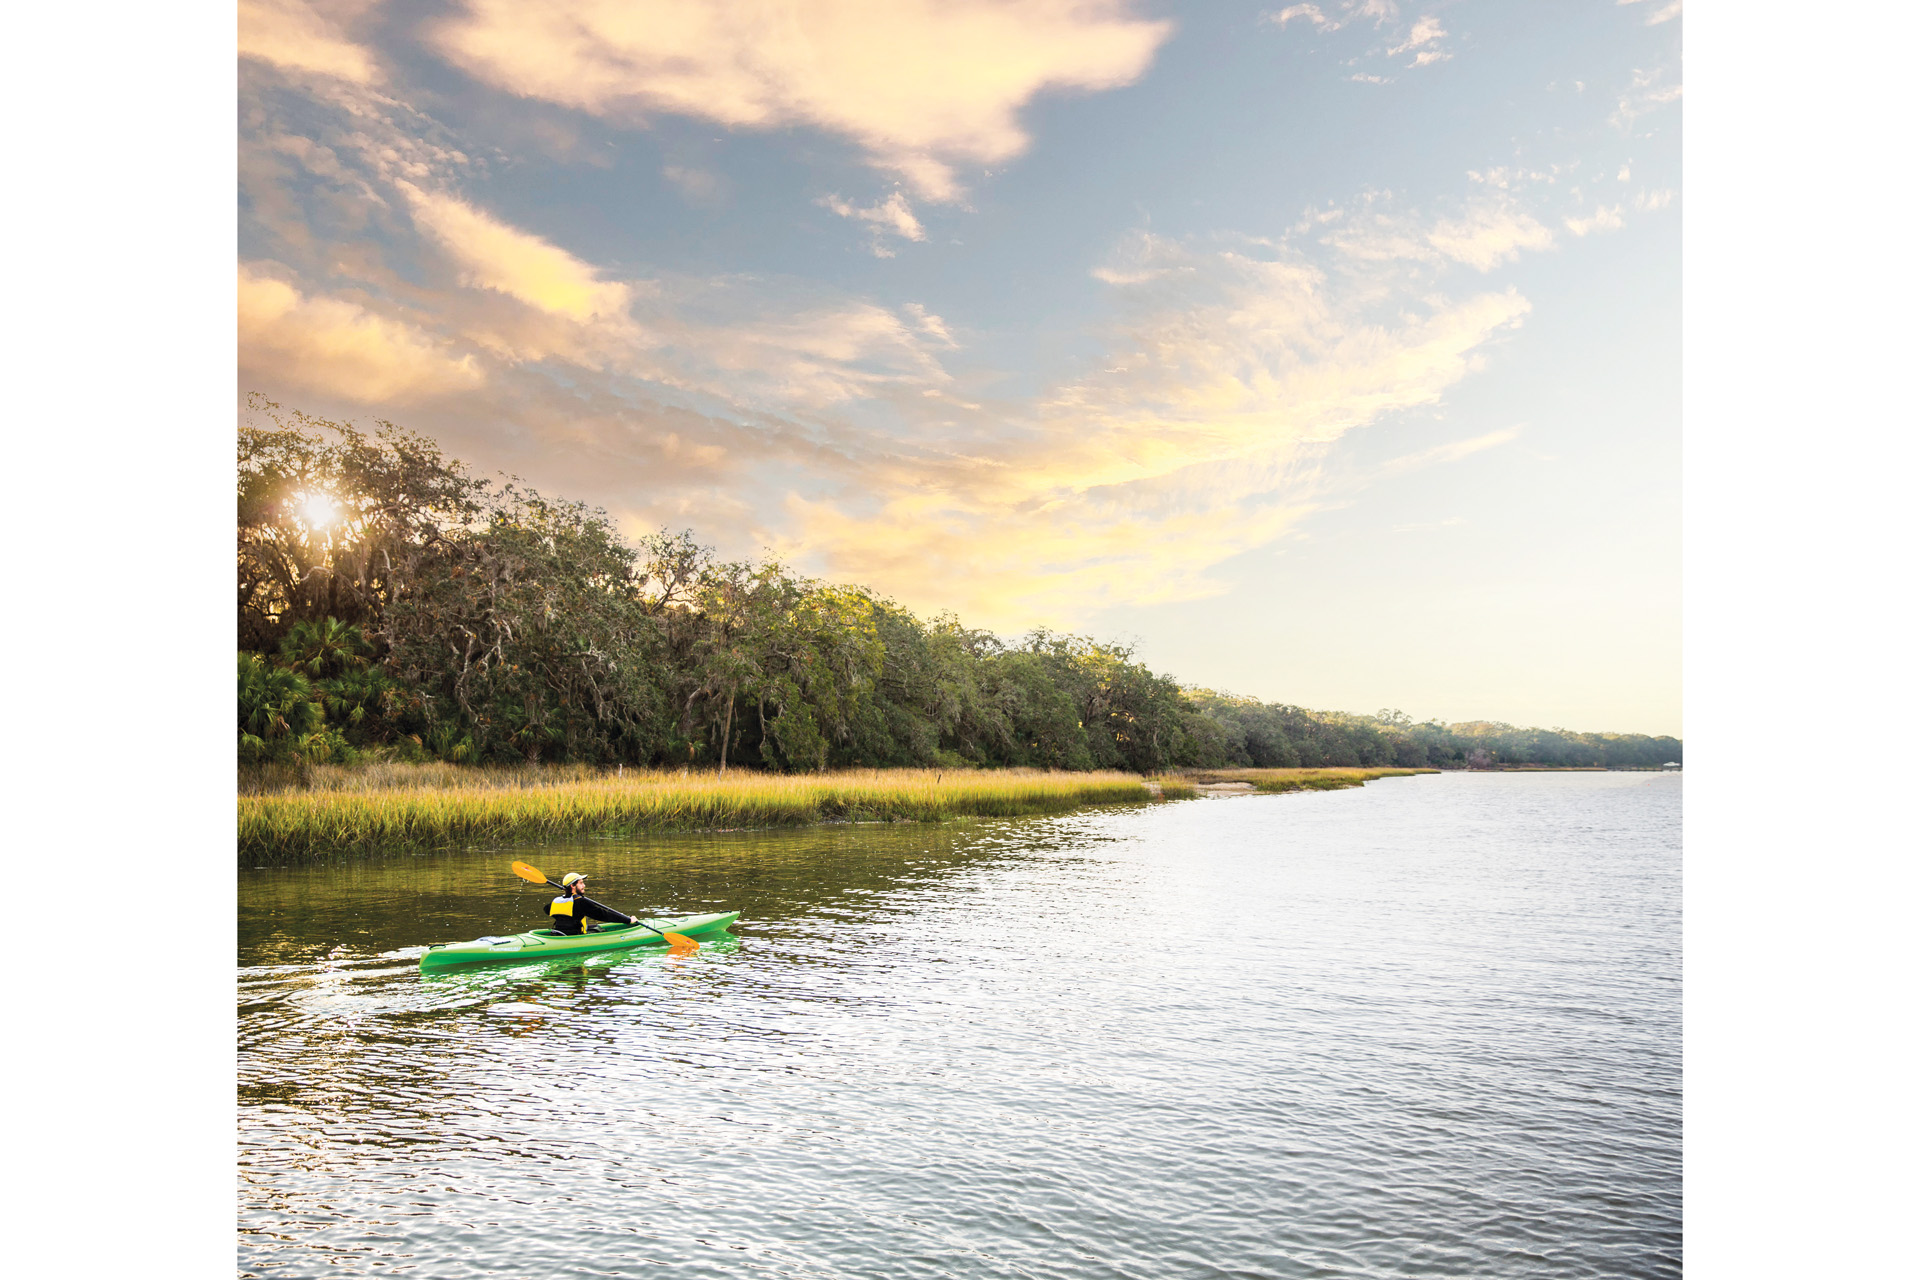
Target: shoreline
column 342, row 811
column 352, row 817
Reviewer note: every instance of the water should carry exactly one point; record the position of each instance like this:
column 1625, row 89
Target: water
column 1426, row 1028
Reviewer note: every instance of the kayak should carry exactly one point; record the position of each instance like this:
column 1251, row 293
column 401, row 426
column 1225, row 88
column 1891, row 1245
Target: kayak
column 546, row 944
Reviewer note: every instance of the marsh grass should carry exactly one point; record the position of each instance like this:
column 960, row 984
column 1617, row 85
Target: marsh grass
column 395, row 775
column 337, row 809
column 1278, row 780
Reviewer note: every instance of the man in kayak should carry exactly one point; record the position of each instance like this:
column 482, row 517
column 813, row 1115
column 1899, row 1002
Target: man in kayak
column 570, row 912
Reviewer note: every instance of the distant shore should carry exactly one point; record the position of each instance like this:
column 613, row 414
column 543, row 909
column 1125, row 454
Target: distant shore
column 1276, row 781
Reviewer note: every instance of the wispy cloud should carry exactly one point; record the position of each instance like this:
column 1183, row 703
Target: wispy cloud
column 922, row 86
column 1378, row 12
column 493, row 255
column 1646, row 93
column 515, row 300
column 338, row 347
column 301, row 36
column 1667, row 11
column 1482, row 233
column 1195, row 441
column 890, row 216
column 700, row 186
column 1603, row 218
column 1452, row 451
column 1424, row 37
column 1310, row 13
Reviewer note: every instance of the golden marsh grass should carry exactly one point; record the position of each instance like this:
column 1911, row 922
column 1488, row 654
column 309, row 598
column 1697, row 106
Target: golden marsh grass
column 1277, row 780
column 339, row 809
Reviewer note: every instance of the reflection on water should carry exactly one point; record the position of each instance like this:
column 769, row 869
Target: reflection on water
column 1426, row 1028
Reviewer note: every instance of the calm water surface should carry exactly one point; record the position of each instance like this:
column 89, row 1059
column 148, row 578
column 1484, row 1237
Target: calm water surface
column 1426, row 1028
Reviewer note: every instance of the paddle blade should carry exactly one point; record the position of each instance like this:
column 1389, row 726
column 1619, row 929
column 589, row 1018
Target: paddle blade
column 680, row 944
column 526, row 872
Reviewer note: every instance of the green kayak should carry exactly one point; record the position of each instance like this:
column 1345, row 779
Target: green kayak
column 545, row 944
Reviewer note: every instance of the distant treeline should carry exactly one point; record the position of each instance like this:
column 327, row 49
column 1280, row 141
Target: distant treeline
column 390, row 602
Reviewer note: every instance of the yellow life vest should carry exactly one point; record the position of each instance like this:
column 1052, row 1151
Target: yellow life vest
column 560, row 907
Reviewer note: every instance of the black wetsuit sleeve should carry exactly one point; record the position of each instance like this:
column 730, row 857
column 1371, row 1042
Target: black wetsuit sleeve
column 588, row 909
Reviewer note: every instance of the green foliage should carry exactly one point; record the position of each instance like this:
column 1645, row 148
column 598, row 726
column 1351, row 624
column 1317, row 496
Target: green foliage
column 328, row 647
column 426, row 614
column 392, row 499
column 279, row 718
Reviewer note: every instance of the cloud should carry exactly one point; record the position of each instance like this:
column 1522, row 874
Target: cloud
column 1422, row 39
column 1648, row 201
column 922, row 86
column 1425, row 31
column 1379, row 12
column 770, row 354
column 1667, row 12
column 493, row 255
column 300, row 37
column 1488, row 235
column 1604, row 218
column 1195, row 440
column 339, row 347
column 893, row 215
column 697, row 185
column 854, row 435
column 1452, row 451
column 742, row 345
column 1308, row 12
column 1643, row 95
column 1485, row 233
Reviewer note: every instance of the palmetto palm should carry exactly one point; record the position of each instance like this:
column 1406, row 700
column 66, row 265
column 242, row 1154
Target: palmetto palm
column 321, row 649
column 359, row 697
column 276, row 709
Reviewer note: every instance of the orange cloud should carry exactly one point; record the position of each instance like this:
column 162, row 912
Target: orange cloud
column 339, row 347
column 493, row 255
column 1197, row 442
column 921, row 85
column 306, row 37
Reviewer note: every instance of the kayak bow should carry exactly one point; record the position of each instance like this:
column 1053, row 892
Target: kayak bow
column 546, row 944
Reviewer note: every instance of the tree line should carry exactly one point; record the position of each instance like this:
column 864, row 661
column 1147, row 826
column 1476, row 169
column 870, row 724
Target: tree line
column 391, row 602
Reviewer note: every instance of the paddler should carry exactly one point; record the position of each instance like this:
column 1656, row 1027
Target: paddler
column 570, row 912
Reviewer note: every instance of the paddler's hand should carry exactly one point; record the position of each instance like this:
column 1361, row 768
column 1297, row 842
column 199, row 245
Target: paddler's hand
column 633, row 919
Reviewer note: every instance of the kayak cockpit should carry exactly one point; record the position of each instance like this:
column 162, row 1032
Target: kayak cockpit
column 603, row 929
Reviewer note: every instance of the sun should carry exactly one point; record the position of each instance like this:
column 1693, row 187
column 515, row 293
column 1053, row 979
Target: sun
column 317, row 509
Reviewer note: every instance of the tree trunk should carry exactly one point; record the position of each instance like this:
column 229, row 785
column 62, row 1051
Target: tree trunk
column 726, row 731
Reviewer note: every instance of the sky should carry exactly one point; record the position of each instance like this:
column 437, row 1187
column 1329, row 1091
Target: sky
column 1328, row 354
